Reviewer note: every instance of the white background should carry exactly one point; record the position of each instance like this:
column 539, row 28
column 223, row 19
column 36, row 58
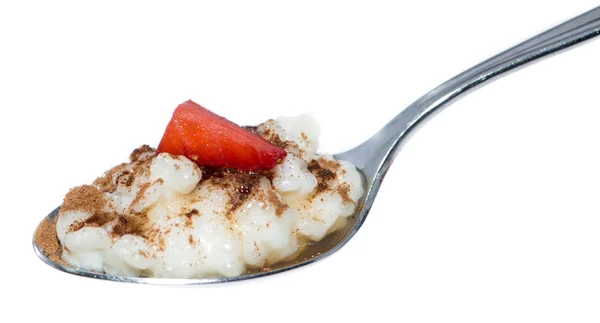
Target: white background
column 490, row 213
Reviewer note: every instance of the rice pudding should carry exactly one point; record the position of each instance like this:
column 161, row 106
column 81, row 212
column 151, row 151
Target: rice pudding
column 166, row 215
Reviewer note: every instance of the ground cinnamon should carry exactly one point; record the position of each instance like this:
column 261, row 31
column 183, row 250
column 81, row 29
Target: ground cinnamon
column 85, row 198
column 45, row 238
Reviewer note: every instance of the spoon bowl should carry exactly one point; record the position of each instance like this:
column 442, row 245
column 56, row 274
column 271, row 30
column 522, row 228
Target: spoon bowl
column 374, row 157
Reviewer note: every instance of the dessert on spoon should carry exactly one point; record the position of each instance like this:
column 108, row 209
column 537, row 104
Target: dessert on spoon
column 215, row 202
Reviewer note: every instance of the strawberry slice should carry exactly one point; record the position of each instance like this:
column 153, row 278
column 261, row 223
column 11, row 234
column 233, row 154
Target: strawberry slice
column 211, row 140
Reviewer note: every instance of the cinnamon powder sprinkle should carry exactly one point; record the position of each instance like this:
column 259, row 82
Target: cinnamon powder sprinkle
column 275, row 139
column 239, row 185
column 128, row 225
column 322, row 174
column 98, row 219
column 188, row 217
column 343, row 190
column 45, row 238
column 332, row 165
column 84, row 198
column 192, row 213
column 140, row 193
column 125, row 178
column 161, row 243
column 280, row 207
column 154, row 236
column 142, row 167
column 105, row 182
column 138, row 152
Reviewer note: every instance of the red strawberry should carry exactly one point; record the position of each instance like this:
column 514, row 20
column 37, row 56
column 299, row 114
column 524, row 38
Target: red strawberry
column 211, row 140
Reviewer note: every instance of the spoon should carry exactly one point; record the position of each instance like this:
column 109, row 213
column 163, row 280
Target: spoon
column 374, row 157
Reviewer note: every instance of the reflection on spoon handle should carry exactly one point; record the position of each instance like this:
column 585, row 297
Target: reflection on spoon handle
column 583, row 24
column 375, row 155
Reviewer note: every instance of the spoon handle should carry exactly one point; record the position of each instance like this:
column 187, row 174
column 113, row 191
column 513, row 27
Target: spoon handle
column 375, row 155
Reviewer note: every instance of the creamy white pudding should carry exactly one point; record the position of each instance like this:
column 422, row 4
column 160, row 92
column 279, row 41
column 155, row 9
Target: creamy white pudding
column 161, row 215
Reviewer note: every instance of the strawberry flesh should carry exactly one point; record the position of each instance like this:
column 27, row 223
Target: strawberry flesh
column 211, row 140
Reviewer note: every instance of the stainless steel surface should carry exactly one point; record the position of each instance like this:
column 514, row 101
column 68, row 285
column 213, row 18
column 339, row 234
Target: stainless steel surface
column 375, row 156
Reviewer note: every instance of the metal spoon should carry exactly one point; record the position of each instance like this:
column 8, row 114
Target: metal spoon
column 374, row 157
